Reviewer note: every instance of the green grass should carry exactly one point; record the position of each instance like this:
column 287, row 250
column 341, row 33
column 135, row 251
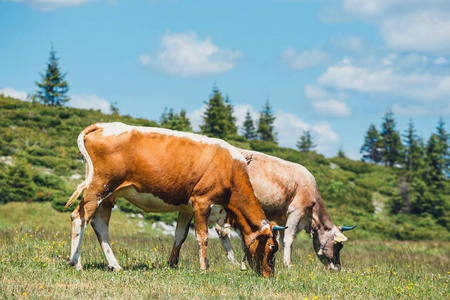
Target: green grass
column 35, row 245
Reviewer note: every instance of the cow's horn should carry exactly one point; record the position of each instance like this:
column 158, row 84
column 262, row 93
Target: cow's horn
column 345, row 228
column 276, row 227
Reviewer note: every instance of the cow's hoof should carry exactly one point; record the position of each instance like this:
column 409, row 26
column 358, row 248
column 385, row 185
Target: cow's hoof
column 243, row 266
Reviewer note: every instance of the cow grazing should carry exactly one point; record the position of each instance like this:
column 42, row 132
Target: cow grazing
column 288, row 194
column 161, row 170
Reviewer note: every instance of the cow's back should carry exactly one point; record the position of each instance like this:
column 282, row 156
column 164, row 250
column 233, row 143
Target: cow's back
column 280, row 185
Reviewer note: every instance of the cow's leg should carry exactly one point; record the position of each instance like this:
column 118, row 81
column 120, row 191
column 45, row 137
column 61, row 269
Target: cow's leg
column 289, row 235
column 100, row 223
column 184, row 219
column 224, row 235
column 201, row 219
column 78, row 226
column 80, row 218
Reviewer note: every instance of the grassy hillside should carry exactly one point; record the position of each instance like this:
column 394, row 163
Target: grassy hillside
column 35, row 245
column 40, row 162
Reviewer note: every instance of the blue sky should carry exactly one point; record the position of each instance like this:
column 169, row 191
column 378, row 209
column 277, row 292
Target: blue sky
column 331, row 67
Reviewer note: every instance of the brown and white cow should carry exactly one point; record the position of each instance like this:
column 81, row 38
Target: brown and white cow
column 161, row 170
column 288, row 194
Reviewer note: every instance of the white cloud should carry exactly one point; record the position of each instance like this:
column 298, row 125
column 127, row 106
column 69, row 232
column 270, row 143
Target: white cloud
column 406, row 25
column 415, row 84
column 52, row 4
column 10, row 92
column 378, row 7
column 185, row 55
column 196, row 117
column 346, row 76
column 348, row 43
column 145, row 59
column 441, row 61
column 332, row 107
column 290, row 127
column 315, row 92
column 326, row 138
column 90, row 102
column 415, row 91
column 427, row 31
column 305, row 59
column 325, row 104
column 417, row 110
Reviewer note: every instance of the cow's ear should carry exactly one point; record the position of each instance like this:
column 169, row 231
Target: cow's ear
column 340, row 238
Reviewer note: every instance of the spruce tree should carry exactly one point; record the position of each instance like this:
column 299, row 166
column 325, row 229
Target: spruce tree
column 414, row 152
column 433, row 192
column 266, row 129
column 248, row 128
column 444, row 139
column 218, row 119
column 305, row 144
column 392, row 144
column 53, row 89
column 372, row 148
column 231, row 127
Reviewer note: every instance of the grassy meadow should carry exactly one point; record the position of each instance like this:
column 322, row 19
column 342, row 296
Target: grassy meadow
column 35, row 245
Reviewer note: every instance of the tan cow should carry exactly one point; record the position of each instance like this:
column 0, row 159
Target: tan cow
column 161, row 170
column 288, row 194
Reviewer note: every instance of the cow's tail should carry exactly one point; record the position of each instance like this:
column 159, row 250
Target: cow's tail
column 87, row 162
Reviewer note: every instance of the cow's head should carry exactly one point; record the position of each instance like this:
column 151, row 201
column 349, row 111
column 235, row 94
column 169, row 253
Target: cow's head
column 262, row 249
column 328, row 244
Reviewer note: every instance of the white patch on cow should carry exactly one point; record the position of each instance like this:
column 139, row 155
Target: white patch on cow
column 332, row 266
column 217, row 215
column 78, row 230
column 150, row 203
column 264, row 223
column 287, row 163
column 116, row 128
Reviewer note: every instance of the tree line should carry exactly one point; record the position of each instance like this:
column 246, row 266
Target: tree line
column 424, row 166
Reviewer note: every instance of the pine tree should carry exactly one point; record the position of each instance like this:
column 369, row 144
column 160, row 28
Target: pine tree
column 174, row 121
column 444, row 139
column 218, row 120
column 372, row 148
column 248, row 129
column 114, row 109
column 392, row 144
column 266, row 129
column 305, row 144
column 435, row 159
column 231, row 127
column 414, row 152
column 53, row 89
column 433, row 189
